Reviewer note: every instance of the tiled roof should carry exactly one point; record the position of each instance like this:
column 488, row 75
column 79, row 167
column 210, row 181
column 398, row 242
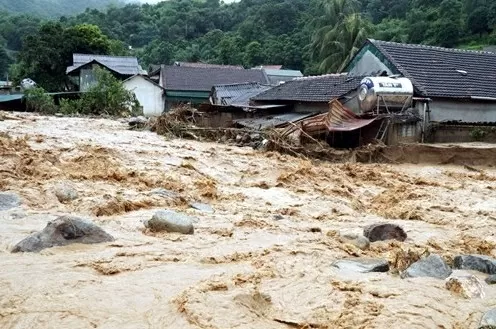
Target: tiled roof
column 207, row 65
column 443, row 72
column 311, row 89
column 121, row 64
column 203, row 79
column 237, row 94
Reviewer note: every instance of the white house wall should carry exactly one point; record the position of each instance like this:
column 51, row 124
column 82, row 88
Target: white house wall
column 150, row 96
column 473, row 111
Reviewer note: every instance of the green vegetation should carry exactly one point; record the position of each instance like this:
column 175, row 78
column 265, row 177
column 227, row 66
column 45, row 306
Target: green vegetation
column 37, row 100
column 108, row 96
column 315, row 36
column 52, row 8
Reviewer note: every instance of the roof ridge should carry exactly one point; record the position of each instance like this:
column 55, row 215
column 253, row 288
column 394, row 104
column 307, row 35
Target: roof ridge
column 323, row 76
column 413, row 45
column 81, row 54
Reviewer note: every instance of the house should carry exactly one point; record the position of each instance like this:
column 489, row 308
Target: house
column 82, row 75
column 458, row 83
column 310, row 94
column 193, row 85
column 150, row 95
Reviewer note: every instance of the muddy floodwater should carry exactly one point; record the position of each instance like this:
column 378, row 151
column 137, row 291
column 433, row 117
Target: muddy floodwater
column 261, row 259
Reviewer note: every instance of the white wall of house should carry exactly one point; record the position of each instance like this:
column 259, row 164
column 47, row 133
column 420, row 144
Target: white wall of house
column 464, row 111
column 150, row 95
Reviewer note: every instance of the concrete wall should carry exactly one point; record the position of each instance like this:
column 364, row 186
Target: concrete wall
column 462, row 134
column 465, row 111
column 150, row 96
column 399, row 133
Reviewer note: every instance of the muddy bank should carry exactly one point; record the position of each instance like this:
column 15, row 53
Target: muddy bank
column 261, row 257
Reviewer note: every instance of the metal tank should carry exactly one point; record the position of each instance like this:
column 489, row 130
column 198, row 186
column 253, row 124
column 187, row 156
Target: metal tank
column 389, row 93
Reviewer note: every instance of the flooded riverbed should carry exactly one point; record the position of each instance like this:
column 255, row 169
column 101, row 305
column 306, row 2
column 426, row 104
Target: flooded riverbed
column 261, row 259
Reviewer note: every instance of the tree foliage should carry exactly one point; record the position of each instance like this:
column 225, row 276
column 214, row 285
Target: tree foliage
column 310, row 35
column 46, row 54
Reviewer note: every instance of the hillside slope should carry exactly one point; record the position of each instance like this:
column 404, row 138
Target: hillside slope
column 52, row 8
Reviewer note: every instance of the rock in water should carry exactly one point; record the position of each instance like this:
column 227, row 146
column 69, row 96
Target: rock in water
column 479, row 263
column 63, row 231
column 138, row 121
column 431, row 266
column 170, row 221
column 9, row 201
column 491, row 279
column 489, row 320
column 362, row 265
column 65, row 192
column 357, row 240
column 467, row 286
column 202, row 207
column 383, row 232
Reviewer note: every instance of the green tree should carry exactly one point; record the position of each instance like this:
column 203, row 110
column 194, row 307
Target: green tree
column 253, row 54
column 340, row 32
column 478, row 21
column 5, row 61
column 45, row 55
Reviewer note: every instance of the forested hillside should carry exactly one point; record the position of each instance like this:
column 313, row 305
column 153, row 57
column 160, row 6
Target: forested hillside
column 315, row 36
column 52, row 8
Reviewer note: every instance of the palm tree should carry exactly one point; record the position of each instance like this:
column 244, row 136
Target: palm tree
column 340, row 32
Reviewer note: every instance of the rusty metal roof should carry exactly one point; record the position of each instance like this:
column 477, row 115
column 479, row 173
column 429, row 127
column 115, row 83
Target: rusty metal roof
column 339, row 118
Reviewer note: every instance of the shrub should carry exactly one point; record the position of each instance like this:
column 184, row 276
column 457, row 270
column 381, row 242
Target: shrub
column 39, row 101
column 478, row 134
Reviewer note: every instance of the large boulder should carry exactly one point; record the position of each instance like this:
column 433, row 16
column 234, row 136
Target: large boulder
column 170, row 221
column 431, row 266
column 9, row 201
column 383, row 232
column 488, row 320
column 63, row 231
column 362, row 265
column 65, row 192
column 467, row 286
column 479, row 263
column 491, row 279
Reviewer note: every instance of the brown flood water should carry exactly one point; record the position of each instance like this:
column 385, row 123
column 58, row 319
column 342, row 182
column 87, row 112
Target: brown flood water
column 242, row 268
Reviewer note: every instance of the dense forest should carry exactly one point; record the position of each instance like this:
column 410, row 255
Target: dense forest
column 53, row 8
column 315, row 36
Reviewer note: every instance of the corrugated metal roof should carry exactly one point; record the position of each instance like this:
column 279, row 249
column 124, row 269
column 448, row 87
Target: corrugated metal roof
column 124, row 65
column 9, row 98
column 272, row 121
column 338, row 118
column 238, row 94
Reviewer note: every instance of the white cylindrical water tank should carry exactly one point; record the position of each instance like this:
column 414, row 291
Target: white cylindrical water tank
column 393, row 92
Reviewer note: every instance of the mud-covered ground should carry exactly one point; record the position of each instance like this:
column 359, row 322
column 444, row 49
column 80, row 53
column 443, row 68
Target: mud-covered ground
column 261, row 260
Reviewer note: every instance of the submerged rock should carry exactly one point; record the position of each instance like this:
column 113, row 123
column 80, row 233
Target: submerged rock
column 467, row 286
column 479, row 263
column 488, row 320
column 357, row 240
column 164, row 193
column 383, row 232
column 63, row 231
column 431, row 266
column 9, row 201
column 202, row 207
column 65, row 192
column 491, row 279
column 137, row 121
column 170, row 221
column 362, row 265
